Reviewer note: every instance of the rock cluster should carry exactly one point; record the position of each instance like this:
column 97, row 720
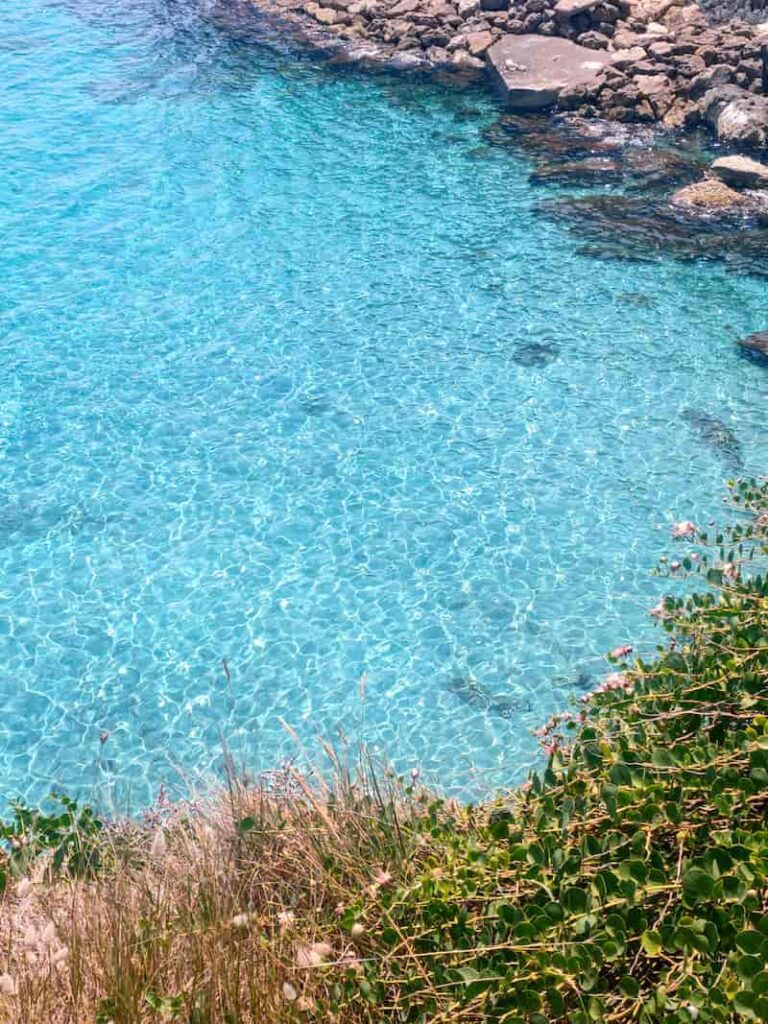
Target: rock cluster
column 666, row 59
column 663, row 58
column 666, row 199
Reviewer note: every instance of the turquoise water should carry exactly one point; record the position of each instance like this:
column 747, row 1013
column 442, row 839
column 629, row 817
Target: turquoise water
column 259, row 404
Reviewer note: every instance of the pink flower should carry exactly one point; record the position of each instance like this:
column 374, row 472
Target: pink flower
column 660, row 610
column 382, row 879
column 617, row 681
column 526, row 787
column 684, row 530
column 621, row 652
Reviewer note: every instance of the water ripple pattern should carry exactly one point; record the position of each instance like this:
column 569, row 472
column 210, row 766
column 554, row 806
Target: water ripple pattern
column 268, row 396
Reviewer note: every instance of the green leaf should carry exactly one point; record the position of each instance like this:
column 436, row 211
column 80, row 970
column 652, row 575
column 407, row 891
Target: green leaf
column 697, row 884
column 744, row 1003
column 575, row 900
column 747, row 967
column 629, row 987
column 651, row 942
column 751, row 942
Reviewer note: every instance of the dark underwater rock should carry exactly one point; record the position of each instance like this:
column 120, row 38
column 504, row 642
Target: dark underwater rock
column 755, row 347
column 557, row 137
column 716, row 435
column 591, row 170
column 535, row 353
column 662, row 166
column 636, row 299
column 645, row 227
column 474, row 694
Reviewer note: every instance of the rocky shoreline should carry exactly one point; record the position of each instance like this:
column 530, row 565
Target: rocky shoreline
column 646, row 61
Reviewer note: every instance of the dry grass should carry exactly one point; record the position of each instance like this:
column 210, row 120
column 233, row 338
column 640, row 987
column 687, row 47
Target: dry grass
column 227, row 912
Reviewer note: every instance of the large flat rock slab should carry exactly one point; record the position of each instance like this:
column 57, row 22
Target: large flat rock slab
column 531, row 71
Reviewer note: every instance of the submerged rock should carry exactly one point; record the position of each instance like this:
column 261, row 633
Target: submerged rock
column 662, row 166
column 535, row 353
column 709, row 196
column 716, row 435
column 636, row 299
column 470, row 692
column 755, row 347
column 532, row 71
column 592, row 170
column 565, row 136
column 642, row 228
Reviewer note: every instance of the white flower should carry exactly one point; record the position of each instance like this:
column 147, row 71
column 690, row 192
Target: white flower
column 314, row 955
column 289, row 992
column 159, row 846
column 7, row 985
column 240, row 921
column 285, row 919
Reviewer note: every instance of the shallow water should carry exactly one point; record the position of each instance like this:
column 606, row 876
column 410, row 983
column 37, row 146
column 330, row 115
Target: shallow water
column 264, row 402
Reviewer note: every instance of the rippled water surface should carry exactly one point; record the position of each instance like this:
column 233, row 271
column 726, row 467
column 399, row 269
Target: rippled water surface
column 261, row 401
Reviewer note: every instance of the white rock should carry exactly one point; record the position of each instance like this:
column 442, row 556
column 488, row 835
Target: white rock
column 741, row 172
column 531, row 71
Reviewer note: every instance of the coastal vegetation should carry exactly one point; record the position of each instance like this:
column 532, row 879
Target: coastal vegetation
column 625, row 881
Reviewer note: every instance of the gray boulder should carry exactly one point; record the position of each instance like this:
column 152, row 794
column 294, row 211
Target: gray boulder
column 532, row 71
column 736, row 116
column 741, row 172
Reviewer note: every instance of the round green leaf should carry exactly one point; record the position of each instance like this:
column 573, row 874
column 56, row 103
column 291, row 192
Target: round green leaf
column 748, row 966
column 697, row 884
column 575, row 900
column 629, row 987
column 651, row 942
column 750, row 942
column 744, row 1003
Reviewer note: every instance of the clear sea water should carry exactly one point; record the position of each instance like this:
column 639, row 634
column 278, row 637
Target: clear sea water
column 258, row 404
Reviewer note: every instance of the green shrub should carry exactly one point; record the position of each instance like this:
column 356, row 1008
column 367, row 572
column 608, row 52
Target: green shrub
column 69, row 835
column 627, row 882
